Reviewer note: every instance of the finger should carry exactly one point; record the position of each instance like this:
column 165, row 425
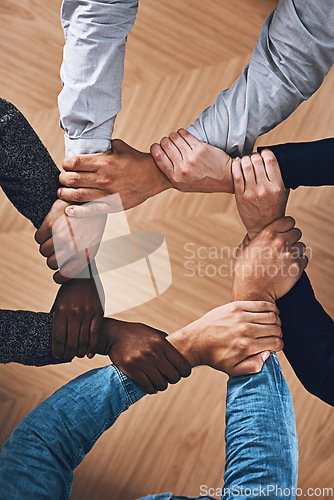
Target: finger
column 181, row 144
column 59, row 279
column 59, row 333
column 72, row 340
column 178, row 361
column 81, row 163
column 141, row 379
column 90, row 210
column 264, row 318
column 94, row 333
column 258, row 331
column 145, row 383
column 259, row 169
column 248, row 172
column 250, row 365
column 162, row 160
column 189, row 138
column 298, row 250
column 272, row 167
column 293, row 236
column 52, row 262
column 238, row 177
column 257, row 306
column 282, row 225
column 157, row 379
column 80, row 179
column 275, row 344
column 47, row 248
column 80, row 195
column 168, row 370
column 43, row 234
column 296, row 269
column 171, row 150
column 83, row 340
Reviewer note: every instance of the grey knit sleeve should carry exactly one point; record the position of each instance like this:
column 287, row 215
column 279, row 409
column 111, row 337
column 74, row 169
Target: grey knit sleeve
column 28, row 175
column 26, row 338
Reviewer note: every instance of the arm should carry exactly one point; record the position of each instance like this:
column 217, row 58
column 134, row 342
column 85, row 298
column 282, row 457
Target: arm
column 307, row 328
column 308, row 339
column 305, row 163
column 26, row 338
column 281, row 74
column 28, row 174
column 260, row 430
column 92, row 70
column 33, row 464
column 38, row 459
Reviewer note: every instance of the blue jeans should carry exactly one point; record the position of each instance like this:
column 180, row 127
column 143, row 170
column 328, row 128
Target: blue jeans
column 38, row 459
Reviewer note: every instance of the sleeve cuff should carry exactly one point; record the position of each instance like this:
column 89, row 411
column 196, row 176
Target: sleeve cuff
column 86, row 146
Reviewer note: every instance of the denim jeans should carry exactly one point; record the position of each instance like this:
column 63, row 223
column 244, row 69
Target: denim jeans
column 38, row 459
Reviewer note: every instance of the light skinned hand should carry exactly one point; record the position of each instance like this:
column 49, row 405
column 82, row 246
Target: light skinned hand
column 124, row 170
column 268, row 266
column 64, row 254
column 235, row 338
column 260, row 193
column 192, row 165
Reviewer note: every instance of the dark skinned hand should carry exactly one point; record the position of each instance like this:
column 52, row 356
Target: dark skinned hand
column 77, row 319
column 143, row 354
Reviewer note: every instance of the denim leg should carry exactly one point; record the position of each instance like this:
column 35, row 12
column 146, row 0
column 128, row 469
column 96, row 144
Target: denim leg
column 38, row 459
column 261, row 438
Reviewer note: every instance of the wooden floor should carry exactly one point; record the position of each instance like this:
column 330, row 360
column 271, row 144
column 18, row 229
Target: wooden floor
column 179, row 56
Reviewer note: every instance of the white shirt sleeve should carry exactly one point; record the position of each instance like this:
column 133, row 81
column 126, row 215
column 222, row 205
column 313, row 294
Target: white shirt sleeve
column 293, row 54
column 92, row 70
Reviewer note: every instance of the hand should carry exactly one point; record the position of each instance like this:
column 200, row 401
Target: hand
column 126, row 171
column 143, row 354
column 192, row 165
column 69, row 244
column 234, row 338
column 77, row 319
column 267, row 267
column 259, row 190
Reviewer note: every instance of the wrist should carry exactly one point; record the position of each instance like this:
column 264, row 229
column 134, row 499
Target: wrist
column 240, row 294
column 105, row 338
column 183, row 342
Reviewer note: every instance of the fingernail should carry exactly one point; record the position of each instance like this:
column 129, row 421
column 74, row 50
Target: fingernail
column 265, row 356
column 59, row 192
column 70, row 211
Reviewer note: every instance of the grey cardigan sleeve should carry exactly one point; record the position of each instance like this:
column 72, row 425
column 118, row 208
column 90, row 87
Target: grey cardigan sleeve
column 29, row 178
column 293, row 54
column 28, row 174
column 25, row 338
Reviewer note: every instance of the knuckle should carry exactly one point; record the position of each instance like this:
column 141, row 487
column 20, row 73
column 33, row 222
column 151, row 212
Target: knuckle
column 75, row 163
column 173, row 136
column 79, row 195
column 164, row 142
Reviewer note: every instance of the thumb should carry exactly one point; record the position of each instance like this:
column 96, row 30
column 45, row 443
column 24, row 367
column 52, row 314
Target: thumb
column 90, row 209
column 250, row 365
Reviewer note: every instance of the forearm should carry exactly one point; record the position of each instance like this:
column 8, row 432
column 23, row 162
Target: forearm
column 26, row 338
column 40, row 456
column 92, row 71
column 305, row 163
column 28, row 174
column 260, row 435
column 308, row 333
column 280, row 75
